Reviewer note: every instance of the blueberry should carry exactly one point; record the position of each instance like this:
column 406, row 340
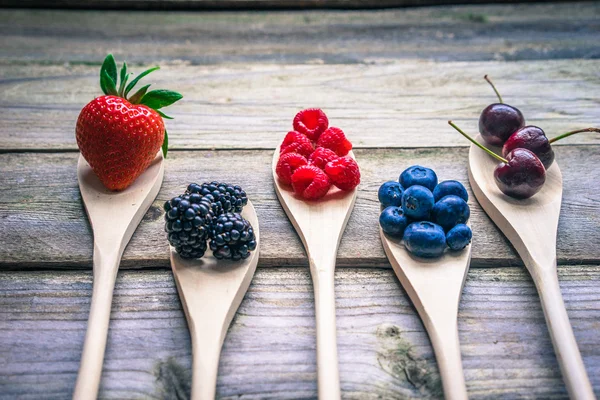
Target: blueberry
column 390, row 194
column 459, row 237
column 393, row 221
column 417, row 175
column 450, row 187
column 449, row 211
column 417, row 202
column 425, row 239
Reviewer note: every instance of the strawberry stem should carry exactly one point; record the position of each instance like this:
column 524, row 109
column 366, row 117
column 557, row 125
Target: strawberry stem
column 493, row 87
column 476, row 143
column 564, row 135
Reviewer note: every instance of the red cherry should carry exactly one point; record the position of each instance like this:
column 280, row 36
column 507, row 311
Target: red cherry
column 522, row 176
column 533, row 139
column 499, row 120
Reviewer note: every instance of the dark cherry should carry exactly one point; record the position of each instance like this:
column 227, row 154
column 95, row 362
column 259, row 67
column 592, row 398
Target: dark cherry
column 498, row 121
column 534, row 139
column 522, row 176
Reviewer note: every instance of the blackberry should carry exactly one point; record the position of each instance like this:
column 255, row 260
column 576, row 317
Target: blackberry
column 188, row 224
column 232, row 237
column 223, row 196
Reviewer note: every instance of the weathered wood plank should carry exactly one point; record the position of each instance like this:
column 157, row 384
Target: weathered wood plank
column 42, row 221
column 486, row 32
column 402, row 104
column 269, row 351
column 234, row 4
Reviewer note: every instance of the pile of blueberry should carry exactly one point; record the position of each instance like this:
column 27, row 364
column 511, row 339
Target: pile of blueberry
column 428, row 216
column 210, row 212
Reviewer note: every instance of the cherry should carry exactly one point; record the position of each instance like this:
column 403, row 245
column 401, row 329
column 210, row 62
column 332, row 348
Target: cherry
column 520, row 175
column 498, row 120
column 534, row 139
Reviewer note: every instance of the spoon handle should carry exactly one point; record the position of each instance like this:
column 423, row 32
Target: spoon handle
column 327, row 355
column 106, row 265
column 444, row 339
column 561, row 332
column 206, row 351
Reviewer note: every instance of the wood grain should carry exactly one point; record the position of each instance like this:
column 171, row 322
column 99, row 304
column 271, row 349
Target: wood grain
column 43, row 222
column 464, row 33
column 269, row 351
column 400, row 104
column 233, row 4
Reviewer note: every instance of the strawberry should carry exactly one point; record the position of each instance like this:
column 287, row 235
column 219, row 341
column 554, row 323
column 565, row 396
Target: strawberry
column 119, row 136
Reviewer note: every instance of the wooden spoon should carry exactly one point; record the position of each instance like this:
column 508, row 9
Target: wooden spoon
column 114, row 216
column 320, row 225
column 531, row 227
column 211, row 291
column 434, row 286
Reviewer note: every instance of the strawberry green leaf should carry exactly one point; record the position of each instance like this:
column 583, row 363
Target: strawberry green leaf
column 110, row 67
column 137, row 79
column 165, row 145
column 137, row 97
column 160, row 98
column 123, row 78
column 163, row 114
column 107, row 84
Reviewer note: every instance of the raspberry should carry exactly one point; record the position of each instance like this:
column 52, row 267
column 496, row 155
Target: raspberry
column 287, row 164
column 311, row 122
column 295, row 142
column 310, row 182
column 343, row 172
column 321, row 156
column 294, row 137
column 334, row 139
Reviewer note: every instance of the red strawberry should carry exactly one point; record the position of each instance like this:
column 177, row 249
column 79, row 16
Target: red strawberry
column 119, row 136
column 311, row 122
column 310, row 182
column 321, row 156
column 343, row 172
column 287, row 164
column 335, row 139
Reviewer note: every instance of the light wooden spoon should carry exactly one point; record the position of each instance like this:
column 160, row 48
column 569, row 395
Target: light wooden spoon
column 114, row 216
column 531, row 227
column 434, row 286
column 320, row 225
column 211, row 291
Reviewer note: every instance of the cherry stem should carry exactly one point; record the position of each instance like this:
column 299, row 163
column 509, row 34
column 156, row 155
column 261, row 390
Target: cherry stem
column 476, row 143
column 564, row 135
column 493, row 87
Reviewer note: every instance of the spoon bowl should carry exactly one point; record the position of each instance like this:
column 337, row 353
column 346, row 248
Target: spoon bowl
column 531, row 226
column 320, row 225
column 211, row 291
column 113, row 216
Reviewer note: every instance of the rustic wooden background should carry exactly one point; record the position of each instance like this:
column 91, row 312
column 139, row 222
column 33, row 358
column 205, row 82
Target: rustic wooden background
column 391, row 79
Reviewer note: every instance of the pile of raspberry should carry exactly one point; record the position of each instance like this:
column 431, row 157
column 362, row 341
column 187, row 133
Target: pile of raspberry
column 314, row 156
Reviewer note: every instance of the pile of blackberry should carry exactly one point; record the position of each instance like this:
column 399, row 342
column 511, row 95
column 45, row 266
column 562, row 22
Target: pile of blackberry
column 210, row 212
